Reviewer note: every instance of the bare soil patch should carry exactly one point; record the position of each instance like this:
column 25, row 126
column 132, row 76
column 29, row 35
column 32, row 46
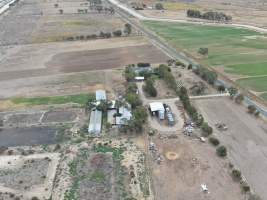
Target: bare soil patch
column 59, row 116
column 186, row 164
column 105, row 58
column 27, row 136
column 27, row 176
column 245, row 138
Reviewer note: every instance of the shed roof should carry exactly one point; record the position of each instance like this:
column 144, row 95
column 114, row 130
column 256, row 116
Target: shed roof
column 156, row 106
column 100, row 95
column 95, row 122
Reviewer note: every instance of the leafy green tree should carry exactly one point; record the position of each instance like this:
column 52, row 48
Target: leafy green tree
column 221, row 151
column 207, row 130
column 214, row 141
column 133, row 99
column 232, row 91
column 251, row 109
column 139, row 118
column 159, row 6
column 239, row 98
column 117, row 33
column 103, row 105
column 127, row 29
column 203, row 51
column 149, row 88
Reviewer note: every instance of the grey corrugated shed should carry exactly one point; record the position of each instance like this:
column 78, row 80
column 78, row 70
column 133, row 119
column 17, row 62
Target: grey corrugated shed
column 100, row 95
column 95, row 122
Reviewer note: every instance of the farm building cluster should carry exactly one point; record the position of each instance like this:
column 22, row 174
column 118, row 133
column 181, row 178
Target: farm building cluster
column 118, row 114
column 162, row 111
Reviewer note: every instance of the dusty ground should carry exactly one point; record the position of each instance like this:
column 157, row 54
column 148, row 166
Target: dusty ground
column 45, row 24
column 186, row 165
column 34, row 126
column 245, row 139
column 188, row 79
column 62, row 68
column 27, row 176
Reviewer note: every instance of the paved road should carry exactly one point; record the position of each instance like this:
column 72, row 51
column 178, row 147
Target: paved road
column 141, row 17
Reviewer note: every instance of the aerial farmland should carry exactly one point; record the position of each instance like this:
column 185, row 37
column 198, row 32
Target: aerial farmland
column 113, row 100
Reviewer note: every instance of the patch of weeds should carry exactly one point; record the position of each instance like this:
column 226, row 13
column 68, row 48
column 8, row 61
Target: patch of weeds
column 116, row 152
column 45, row 147
column 71, row 194
column 98, row 176
column 144, row 182
column 73, row 167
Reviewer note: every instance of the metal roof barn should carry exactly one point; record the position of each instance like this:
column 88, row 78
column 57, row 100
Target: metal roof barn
column 95, row 122
column 156, row 106
column 100, row 95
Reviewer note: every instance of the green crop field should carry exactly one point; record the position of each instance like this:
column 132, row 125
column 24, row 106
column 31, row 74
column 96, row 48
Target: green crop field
column 240, row 51
column 79, row 99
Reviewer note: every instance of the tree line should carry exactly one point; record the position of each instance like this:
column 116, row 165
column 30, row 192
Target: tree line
column 210, row 15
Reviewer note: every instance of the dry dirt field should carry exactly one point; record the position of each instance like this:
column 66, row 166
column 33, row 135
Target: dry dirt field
column 45, row 24
column 186, row 164
column 238, row 9
column 245, row 139
column 25, row 177
column 65, row 67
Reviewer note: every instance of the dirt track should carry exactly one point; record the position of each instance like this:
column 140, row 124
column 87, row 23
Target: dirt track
column 245, row 139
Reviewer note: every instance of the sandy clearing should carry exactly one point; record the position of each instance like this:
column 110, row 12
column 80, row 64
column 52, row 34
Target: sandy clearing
column 246, row 139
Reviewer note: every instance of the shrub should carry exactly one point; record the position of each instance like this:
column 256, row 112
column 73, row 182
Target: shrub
column 221, row 151
column 236, row 174
column 251, row 109
column 117, row 33
column 257, row 113
column 206, row 129
column 254, row 197
column 143, row 64
column 244, row 185
column 214, row 141
column 159, row 6
column 149, row 88
column 239, row 98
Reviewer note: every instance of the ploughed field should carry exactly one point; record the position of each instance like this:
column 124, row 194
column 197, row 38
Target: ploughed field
column 239, row 53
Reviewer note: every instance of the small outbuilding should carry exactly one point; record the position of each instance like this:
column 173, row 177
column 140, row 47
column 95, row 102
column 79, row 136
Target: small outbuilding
column 100, row 95
column 139, row 78
column 157, row 108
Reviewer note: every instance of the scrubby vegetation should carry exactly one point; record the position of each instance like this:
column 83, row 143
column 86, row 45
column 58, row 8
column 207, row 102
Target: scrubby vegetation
column 214, row 141
column 210, row 15
column 149, row 88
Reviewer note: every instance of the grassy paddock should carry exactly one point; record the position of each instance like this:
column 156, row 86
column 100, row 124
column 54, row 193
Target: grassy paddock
column 258, row 84
column 239, row 51
column 264, row 96
column 79, row 99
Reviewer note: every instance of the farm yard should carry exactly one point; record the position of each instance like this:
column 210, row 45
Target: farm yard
column 186, row 164
column 245, row 138
column 238, row 53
